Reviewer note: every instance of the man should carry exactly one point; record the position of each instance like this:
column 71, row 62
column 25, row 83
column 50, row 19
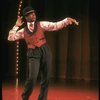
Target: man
column 38, row 52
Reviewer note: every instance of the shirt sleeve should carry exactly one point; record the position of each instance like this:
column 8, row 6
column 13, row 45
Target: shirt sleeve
column 15, row 35
column 54, row 26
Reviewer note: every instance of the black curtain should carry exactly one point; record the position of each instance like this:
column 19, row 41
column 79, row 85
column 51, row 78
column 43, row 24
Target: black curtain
column 74, row 48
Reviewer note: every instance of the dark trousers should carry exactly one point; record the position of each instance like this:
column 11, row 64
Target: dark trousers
column 39, row 61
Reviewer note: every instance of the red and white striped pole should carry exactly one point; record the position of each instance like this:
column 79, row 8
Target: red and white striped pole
column 17, row 47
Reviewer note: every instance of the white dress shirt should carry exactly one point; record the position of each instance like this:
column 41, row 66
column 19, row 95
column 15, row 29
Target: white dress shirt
column 45, row 25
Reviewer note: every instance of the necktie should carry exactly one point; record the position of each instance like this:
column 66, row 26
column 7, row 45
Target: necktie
column 31, row 27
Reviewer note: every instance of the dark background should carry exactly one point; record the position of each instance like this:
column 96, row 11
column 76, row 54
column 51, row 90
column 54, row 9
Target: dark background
column 74, row 48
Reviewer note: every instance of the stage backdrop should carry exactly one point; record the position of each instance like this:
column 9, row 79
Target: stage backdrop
column 74, row 48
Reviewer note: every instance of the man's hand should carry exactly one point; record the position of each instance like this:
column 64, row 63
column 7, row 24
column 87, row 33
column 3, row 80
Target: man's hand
column 71, row 20
column 19, row 21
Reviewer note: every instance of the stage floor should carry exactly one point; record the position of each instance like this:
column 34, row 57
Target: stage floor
column 56, row 92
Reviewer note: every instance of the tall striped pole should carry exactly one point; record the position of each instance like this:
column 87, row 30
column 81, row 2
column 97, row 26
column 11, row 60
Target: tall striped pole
column 17, row 47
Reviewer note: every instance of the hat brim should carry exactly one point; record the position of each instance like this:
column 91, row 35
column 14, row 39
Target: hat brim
column 28, row 12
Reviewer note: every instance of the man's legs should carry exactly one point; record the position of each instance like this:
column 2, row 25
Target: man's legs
column 44, row 70
column 34, row 65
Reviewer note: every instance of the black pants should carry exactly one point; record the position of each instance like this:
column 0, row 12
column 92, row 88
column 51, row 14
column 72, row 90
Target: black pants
column 39, row 61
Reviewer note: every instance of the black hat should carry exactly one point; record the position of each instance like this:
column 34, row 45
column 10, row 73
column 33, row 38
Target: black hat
column 28, row 10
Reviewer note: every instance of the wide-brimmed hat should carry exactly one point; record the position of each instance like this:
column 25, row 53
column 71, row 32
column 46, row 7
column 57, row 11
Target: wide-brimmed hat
column 27, row 10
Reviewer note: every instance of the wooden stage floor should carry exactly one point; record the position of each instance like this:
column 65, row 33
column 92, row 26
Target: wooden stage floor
column 56, row 92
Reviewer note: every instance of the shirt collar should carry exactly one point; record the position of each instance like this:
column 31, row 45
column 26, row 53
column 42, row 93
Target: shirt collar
column 28, row 23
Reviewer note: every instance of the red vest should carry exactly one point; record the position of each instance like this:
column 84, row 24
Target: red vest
column 36, row 39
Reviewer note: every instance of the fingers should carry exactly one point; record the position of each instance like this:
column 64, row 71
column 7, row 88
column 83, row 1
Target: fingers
column 75, row 22
column 71, row 20
column 19, row 21
column 20, row 17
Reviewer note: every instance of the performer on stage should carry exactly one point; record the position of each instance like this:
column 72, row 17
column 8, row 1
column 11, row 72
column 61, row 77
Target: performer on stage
column 38, row 51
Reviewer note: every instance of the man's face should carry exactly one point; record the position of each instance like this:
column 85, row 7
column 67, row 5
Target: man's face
column 30, row 17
